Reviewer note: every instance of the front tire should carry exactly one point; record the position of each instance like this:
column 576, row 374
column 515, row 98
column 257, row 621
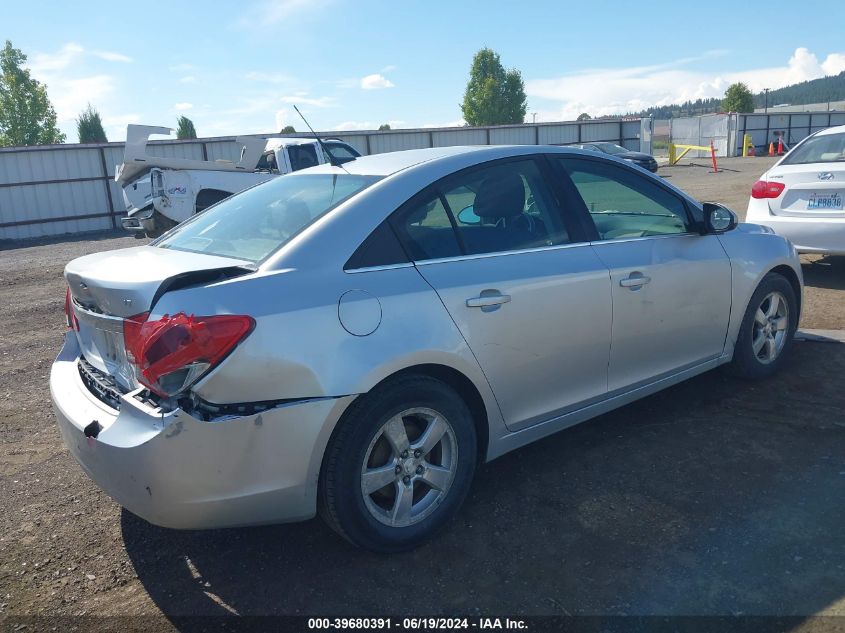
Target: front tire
column 399, row 465
column 767, row 330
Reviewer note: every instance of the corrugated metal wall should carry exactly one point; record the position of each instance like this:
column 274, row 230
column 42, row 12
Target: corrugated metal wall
column 795, row 126
column 60, row 189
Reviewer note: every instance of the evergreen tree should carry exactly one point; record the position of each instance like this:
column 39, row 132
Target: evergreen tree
column 493, row 95
column 89, row 126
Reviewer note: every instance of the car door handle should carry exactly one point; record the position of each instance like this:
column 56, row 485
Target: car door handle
column 486, row 301
column 634, row 281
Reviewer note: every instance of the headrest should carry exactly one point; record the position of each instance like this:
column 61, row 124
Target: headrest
column 500, row 197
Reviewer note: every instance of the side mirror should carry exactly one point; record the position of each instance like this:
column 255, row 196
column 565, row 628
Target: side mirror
column 718, row 219
column 467, row 216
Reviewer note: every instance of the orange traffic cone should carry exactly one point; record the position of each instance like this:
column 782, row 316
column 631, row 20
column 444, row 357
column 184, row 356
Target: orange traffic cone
column 772, row 148
column 780, row 146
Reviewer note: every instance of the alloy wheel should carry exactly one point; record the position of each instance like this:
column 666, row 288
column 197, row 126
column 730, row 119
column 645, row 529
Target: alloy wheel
column 409, row 467
column 770, row 328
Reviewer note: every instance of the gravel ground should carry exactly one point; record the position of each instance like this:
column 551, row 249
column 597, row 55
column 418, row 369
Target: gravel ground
column 713, row 497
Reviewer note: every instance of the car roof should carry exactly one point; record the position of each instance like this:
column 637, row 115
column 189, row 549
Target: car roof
column 390, row 163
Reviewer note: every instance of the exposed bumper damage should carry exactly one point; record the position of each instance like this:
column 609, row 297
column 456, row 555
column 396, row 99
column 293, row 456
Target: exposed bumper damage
column 176, row 470
column 139, row 220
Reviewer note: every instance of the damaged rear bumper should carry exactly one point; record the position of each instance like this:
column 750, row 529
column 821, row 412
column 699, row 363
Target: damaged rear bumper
column 139, row 220
column 178, row 471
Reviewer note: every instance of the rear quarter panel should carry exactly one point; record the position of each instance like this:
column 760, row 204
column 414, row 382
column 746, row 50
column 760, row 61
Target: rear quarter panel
column 299, row 348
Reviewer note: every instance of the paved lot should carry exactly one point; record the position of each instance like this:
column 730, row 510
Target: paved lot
column 714, row 497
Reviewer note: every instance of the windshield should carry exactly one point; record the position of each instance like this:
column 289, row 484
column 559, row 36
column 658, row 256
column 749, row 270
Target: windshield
column 610, row 148
column 253, row 224
column 825, row 148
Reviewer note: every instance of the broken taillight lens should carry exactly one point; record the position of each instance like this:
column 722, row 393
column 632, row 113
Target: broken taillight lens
column 173, row 352
column 70, row 315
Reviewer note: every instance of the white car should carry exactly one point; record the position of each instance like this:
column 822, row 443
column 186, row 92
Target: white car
column 801, row 197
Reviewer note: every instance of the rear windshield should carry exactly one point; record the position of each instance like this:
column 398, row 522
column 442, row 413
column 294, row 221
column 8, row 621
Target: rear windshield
column 253, row 224
column 825, row 148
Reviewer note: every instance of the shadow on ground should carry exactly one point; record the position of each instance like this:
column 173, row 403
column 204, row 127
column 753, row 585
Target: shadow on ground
column 825, row 272
column 711, row 498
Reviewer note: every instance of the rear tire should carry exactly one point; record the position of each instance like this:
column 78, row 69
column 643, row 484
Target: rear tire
column 767, row 329
column 399, row 465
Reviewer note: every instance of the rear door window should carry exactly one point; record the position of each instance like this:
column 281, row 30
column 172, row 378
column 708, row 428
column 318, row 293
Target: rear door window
column 498, row 207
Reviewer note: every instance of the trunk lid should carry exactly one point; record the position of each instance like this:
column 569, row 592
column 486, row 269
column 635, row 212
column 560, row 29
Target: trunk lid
column 815, row 190
column 108, row 287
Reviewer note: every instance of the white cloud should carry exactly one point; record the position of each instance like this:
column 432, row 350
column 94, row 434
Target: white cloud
column 111, row 56
column 183, row 106
column 180, row 68
column 71, row 96
column 41, row 63
column 833, row 64
column 301, row 98
column 608, row 91
column 375, row 82
column 70, row 53
column 272, row 12
column 188, row 79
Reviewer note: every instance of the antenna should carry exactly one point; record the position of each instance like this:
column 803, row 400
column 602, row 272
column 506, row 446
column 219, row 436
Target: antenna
column 332, row 161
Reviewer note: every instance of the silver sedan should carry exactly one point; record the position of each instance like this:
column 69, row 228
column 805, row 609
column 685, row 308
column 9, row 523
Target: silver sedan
column 356, row 339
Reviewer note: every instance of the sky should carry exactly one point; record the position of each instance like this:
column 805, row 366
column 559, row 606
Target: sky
column 239, row 67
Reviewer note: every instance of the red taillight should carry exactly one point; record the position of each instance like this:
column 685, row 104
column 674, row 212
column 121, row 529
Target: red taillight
column 172, row 352
column 70, row 315
column 767, row 189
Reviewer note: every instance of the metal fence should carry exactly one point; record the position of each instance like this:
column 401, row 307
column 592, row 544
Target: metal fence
column 720, row 129
column 727, row 130
column 793, row 125
column 61, row 189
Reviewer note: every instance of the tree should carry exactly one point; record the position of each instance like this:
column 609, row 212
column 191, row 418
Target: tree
column 26, row 115
column 584, row 117
column 384, row 127
column 288, row 129
column 738, row 98
column 89, row 126
column 185, row 128
column 493, row 95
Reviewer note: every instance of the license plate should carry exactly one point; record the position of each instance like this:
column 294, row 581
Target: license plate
column 825, row 201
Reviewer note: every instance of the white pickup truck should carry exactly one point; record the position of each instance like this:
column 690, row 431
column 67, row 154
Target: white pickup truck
column 161, row 192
